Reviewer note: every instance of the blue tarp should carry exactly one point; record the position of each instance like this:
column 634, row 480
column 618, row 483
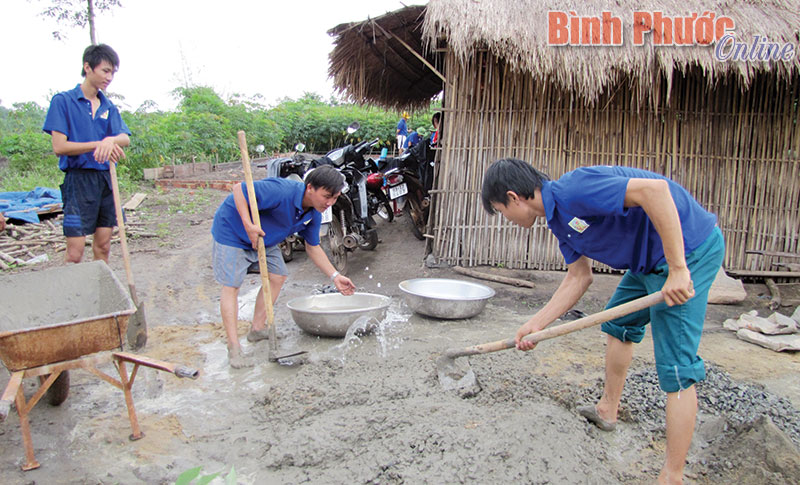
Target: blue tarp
column 24, row 205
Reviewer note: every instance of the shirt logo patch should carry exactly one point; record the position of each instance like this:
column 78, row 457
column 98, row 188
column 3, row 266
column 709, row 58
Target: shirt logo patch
column 104, row 116
column 578, row 225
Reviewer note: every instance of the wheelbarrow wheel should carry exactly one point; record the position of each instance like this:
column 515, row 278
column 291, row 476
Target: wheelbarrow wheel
column 59, row 391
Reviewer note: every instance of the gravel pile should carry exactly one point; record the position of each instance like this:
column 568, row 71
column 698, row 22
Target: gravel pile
column 719, row 395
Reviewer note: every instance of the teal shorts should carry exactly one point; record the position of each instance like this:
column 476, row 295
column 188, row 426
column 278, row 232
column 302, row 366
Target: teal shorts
column 676, row 329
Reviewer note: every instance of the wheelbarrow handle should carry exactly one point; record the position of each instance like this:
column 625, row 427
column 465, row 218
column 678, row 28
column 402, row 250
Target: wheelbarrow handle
column 5, row 408
column 9, row 394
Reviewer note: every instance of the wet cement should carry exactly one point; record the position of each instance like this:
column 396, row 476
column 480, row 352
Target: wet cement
column 371, row 408
column 64, row 294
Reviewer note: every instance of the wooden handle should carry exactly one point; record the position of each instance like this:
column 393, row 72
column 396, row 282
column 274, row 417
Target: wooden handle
column 123, row 240
column 256, row 219
column 559, row 330
column 10, row 394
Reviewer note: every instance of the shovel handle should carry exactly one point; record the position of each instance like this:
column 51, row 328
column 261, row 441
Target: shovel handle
column 262, row 252
column 123, row 240
column 559, row 330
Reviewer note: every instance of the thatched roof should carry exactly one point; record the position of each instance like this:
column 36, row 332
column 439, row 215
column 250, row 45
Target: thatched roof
column 371, row 67
column 516, row 30
column 371, row 64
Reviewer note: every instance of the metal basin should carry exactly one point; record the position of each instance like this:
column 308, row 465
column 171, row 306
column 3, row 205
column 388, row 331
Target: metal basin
column 330, row 315
column 443, row 298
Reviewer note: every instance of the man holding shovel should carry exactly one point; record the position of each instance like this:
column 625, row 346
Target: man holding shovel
column 87, row 131
column 284, row 207
column 628, row 219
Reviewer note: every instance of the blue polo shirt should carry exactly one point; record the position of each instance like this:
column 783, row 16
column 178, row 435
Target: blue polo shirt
column 70, row 113
column 585, row 211
column 280, row 207
column 412, row 140
column 401, row 125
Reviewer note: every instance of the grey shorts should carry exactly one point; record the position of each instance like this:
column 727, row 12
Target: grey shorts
column 231, row 264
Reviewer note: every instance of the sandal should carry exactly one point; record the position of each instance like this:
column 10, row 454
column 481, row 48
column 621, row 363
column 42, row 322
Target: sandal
column 590, row 413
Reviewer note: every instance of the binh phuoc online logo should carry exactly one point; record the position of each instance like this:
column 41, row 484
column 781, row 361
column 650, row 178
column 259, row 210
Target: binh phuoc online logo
column 706, row 29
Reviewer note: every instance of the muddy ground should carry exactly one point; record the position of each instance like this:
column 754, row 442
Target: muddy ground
column 370, row 409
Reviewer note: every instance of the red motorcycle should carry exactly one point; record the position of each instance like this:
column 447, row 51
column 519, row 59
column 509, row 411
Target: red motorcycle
column 398, row 178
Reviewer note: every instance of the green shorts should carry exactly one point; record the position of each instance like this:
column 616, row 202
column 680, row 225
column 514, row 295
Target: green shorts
column 676, row 329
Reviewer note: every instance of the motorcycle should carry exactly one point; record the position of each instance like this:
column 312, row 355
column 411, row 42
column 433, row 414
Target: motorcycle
column 350, row 222
column 401, row 178
column 292, row 168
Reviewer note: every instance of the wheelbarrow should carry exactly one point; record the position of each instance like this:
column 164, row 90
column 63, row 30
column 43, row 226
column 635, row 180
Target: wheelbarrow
column 90, row 308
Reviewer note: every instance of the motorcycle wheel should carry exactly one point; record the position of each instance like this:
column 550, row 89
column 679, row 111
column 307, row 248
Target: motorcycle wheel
column 416, row 217
column 371, row 240
column 333, row 245
column 287, row 251
column 59, row 391
column 385, row 211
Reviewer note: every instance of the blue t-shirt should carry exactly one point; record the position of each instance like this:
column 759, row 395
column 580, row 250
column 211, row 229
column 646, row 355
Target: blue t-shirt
column 281, row 211
column 401, row 125
column 412, row 140
column 70, row 113
column 585, row 211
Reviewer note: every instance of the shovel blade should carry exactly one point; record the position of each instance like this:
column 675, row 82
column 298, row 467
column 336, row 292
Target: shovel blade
column 137, row 329
column 455, row 375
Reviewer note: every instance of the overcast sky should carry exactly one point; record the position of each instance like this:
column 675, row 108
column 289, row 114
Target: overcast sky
column 273, row 48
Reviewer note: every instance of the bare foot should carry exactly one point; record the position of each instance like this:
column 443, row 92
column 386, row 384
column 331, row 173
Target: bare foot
column 256, row 335
column 239, row 359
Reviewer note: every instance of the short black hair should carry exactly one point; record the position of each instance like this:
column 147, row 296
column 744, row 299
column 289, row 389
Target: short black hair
column 95, row 54
column 509, row 174
column 436, row 117
column 326, row 177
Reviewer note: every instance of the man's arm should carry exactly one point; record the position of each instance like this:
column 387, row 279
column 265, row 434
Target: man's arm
column 109, row 148
column 574, row 285
column 654, row 197
column 243, row 208
column 320, row 259
column 2, row 221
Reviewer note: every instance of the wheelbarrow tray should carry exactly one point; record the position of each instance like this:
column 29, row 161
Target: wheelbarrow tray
column 61, row 314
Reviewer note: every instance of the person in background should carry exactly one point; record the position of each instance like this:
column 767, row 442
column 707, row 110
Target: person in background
column 436, row 121
column 87, row 133
column 415, row 137
column 402, row 132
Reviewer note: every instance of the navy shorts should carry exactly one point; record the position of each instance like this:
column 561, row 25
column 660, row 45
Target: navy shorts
column 88, row 201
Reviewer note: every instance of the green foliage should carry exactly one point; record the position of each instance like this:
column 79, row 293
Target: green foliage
column 203, row 128
column 188, row 477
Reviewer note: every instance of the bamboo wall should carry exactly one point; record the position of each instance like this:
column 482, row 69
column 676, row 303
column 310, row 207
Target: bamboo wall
column 736, row 152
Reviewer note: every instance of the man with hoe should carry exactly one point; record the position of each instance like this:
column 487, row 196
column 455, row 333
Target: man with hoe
column 87, row 132
column 628, row 219
column 285, row 207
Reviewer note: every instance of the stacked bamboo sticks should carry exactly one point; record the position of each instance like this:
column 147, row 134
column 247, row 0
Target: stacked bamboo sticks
column 26, row 244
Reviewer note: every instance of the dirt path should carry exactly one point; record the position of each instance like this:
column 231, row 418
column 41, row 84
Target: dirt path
column 370, row 409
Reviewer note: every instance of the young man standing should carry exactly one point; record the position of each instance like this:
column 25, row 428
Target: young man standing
column 285, row 207
column 628, row 219
column 87, row 132
column 402, row 132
